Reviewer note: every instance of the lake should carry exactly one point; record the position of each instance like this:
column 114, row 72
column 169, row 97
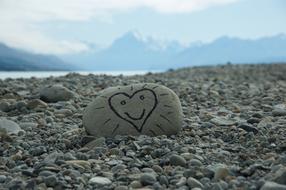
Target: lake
column 44, row 74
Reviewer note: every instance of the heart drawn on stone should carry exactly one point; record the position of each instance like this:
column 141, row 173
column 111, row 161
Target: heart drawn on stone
column 136, row 108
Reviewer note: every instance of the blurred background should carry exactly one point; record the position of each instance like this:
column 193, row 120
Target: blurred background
column 136, row 36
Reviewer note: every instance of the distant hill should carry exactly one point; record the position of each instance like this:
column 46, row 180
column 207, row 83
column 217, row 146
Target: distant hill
column 226, row 49
column 131, row 52
column 17, row 60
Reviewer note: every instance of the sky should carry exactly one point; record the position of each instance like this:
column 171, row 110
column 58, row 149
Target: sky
column 70, row 26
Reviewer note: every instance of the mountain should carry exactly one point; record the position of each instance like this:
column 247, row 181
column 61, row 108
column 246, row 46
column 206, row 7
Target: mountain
column 129, row 52
column 133, row 52
column 17, row 60
column 226, row 49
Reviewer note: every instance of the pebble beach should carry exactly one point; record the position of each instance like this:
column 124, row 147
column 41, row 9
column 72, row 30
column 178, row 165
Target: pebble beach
column 233, row 134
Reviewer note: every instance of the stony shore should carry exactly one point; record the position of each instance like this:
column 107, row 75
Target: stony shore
column 233, row 136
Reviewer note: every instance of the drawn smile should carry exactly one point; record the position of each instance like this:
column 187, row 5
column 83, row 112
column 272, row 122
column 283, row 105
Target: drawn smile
column 135, row 118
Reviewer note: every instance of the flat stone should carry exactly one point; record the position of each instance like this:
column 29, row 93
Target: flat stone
column 272, row 186
column 193, row 183
column 137, row 109
column 279, row 112
column 177, row 160
column 4, row 106
column 32, row 104
column 280, row 176
column 99, row 181
column 248, row 128
column 222, row 121
column 10, row 126
column 147, row 179
column 55, row 93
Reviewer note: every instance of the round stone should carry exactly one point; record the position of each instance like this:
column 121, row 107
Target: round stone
column 9, row 126
column 138, row 109
column 147, row 179
column 55, row 93
column 177, row 160
column 99, row 181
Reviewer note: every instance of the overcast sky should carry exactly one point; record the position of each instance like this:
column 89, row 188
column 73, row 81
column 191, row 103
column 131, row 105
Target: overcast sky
column 66, row 26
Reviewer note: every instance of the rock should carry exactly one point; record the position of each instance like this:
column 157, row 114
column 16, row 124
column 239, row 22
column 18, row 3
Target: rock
column 177, row 160
column 222, row 121
column 272, row 186
column 135, row 184
column 193, row 183
column 4, row 106
column 99, row 181
column 32, row 104
column 221, row 172
column 280, row 176
column 121, row 188
column 10, row 126
column 99, row 142
column 137, row 109
column 279, row 112
column 79, row 163
column 147, row 179
column 51, row 180
column 248, row 128
column 2, row 178
column 196, row 162
column 28, row 125
column 55, row 93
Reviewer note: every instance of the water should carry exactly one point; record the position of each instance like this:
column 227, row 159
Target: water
column 44, row 74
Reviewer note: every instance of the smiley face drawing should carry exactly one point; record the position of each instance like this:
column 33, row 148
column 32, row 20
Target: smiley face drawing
column 135, row 108
column 138, row 109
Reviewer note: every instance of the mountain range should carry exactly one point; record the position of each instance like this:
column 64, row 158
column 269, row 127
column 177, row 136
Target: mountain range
column 133, row 52
column 12, row 59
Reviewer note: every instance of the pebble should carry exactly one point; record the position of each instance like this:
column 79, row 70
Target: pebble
column 99, row 181
column 279, row 112
column 221, row 172
column 51, row 180
column 55, row 93
column 280, row 176
column 248, row 128
column 4, row 106
column 221, row 121
column 195, row 162
column 147, row 179
column 272, row 186
column 10, row 126
column 2, row 178
column 177, row 160
column 193, row 183
column 36, row 103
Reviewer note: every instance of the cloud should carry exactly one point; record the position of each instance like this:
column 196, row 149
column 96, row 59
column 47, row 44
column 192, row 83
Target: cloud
column 19, row 19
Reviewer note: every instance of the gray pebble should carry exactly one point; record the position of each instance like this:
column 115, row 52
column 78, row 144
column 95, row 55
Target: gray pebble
column 193, row 183
column 147, row 179
column 177, row 160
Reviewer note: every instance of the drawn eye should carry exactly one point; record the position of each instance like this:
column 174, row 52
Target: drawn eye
column 142, row 97
column 123, row 102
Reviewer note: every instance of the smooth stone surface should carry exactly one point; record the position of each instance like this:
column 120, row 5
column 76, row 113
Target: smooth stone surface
column 99, row 181
column 193, row 183
column 177, row 160
column 55, row 93
column 147, row 179
column 273, row 186
column 9, row 126
column 145, row 108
